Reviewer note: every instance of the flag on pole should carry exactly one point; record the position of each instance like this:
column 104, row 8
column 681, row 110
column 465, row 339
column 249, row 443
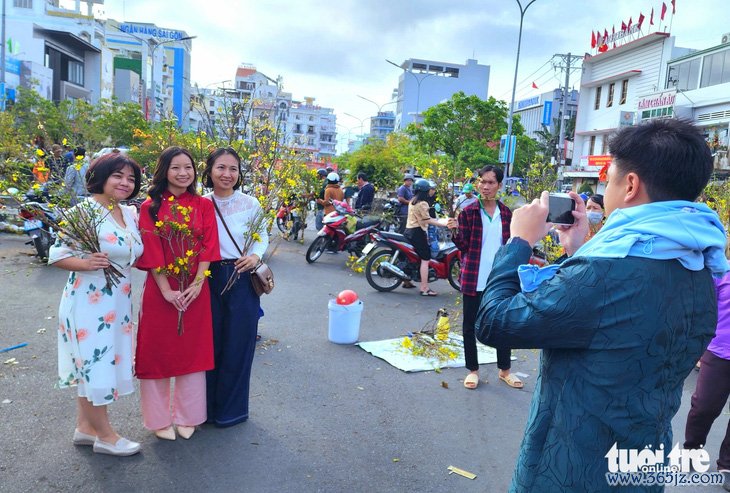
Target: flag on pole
column 651, row 17
column 674, row 7
column 641, row 20
column 534, row 86
column 593, row 42
column 623, row 26
column 629, row 24
column 664, row 11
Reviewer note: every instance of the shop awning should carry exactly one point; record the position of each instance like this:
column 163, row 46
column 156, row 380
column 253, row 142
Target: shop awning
column 68, row 39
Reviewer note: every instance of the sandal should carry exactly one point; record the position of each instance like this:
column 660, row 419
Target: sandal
column 429, row 292
column 471, row 381
column 408, row 285
column 512, row 381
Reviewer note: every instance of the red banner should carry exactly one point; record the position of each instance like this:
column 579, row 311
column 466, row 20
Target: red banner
column 600, row 160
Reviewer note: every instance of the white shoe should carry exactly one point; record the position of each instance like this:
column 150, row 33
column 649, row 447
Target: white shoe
column 122, row 448
column 185, row 431
column 83, row 438
column 166, row 433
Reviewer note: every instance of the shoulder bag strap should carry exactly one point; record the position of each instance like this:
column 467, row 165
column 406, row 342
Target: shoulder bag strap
column 217, row 210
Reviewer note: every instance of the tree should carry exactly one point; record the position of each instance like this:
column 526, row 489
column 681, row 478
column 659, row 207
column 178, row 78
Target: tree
column 547, row 140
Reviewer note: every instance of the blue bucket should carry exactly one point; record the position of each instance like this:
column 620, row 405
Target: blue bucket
column 344, row 322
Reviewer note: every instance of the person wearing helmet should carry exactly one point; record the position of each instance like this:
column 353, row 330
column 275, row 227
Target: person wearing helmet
column 319, row 214
column 404, row 194
column 416, row 226
column 332, row 192
column 466, row 198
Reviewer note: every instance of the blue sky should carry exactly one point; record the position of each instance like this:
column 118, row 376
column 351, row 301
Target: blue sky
column 335, row 50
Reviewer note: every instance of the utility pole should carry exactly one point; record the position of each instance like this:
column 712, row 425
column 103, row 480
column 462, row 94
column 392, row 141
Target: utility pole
column 565, row 62
column 2, row 61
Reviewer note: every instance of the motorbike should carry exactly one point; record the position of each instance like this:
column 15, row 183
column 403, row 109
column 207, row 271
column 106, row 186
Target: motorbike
column 288, row 220
column 343, row 230
column 33, row 213
column 395, row 261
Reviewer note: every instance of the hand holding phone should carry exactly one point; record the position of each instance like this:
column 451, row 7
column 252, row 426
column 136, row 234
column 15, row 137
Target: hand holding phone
column 560, row 209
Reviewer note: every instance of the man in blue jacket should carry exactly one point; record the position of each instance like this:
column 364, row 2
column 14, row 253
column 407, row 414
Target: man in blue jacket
column 621, row 322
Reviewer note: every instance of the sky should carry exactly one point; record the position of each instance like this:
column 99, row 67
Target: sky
column 335, row 50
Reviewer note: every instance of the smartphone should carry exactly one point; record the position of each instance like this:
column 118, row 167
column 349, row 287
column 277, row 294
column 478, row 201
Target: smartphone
column 561, row 208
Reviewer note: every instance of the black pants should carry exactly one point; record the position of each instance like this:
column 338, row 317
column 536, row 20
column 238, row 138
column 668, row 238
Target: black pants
column 711, row 393
column 471, row 306
column 402, row 220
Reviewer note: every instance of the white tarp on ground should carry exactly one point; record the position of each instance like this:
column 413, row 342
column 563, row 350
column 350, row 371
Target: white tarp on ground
column 394, row 353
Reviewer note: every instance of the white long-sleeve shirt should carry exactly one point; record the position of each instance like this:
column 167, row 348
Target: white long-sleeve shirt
column 239, row 211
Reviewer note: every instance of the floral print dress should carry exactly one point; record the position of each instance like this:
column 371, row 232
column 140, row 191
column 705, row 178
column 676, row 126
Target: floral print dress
column 95, row 330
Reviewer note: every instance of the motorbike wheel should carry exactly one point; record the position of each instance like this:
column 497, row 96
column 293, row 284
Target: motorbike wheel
column 42, row 244
column 379, row 278
column 455, row 273
column 281, row 223
column 317, row 248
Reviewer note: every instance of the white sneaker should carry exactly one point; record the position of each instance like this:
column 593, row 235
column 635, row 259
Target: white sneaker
column 122, row 448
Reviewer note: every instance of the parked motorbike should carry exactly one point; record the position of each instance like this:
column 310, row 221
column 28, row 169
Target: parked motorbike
column 343, row 230
column 41, row 234
column 396, row 261
column 289, row 220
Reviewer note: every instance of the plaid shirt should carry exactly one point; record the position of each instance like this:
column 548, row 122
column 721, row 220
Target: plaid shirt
column 468, row 239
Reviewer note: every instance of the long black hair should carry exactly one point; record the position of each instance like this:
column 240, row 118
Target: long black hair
column 205, row 176
column 159, row 179
column 419, row 196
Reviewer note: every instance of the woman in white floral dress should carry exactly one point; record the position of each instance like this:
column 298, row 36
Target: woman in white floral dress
column 95, row 330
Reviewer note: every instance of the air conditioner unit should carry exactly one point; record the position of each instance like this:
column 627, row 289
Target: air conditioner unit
column 725, row 38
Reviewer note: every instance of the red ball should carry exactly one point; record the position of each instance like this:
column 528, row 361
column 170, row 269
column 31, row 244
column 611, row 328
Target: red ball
column 346, row 297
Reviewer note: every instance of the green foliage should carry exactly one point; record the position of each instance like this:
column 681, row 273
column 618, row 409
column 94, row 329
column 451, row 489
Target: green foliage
column 585, row 187
column 383, row 161
column 540, row 177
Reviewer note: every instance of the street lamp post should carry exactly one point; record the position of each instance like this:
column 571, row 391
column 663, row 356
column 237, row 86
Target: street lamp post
column 361, row 120
column 508, row 152
column 379, row 106
column 418, row 84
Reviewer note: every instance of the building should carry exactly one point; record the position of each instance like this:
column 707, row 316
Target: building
column 55, row 50
column 66, row 53
column 426, row 83
column 148, row 65
column 614, row 87
column 545, row 109
column 382, row 124
column 697, row 87
column 303, row 126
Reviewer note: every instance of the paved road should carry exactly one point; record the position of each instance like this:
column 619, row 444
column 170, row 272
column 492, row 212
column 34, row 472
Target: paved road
column 324, row 417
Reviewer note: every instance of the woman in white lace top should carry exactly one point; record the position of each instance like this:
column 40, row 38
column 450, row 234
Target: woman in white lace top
column 236, row 313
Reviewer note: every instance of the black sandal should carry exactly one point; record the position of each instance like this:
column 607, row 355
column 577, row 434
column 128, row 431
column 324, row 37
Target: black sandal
column 429, row 292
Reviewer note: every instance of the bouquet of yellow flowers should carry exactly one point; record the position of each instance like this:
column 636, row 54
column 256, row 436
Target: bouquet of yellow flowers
column 177, row 232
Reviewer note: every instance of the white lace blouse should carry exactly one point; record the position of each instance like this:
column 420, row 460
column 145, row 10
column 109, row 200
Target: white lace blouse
column 239, row 211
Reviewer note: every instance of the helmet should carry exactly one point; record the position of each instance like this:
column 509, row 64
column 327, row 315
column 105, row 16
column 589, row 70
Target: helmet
column 432, row 184
column 407, row 176
column 468, row 188
column 322, row 172
column 421, row 185
column 333, row 177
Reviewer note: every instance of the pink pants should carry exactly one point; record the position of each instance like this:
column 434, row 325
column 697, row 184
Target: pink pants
column 188, row 407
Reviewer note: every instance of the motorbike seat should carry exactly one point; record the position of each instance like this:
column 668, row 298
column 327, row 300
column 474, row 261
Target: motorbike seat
column 393, row 236
column 445, row 251
column 366, row 222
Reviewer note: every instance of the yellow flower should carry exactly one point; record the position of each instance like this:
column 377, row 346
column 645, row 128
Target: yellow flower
column 169, row 266
column 159, row 224
column 206, row 273
column 39, row 153
column 158, row 269
column 189, row 253
column 256, row 237
column 180, row 261
column 171, row 199
column 79, row 158
column 407, row 342
column 64, row 141
column 36, row 186
column 62, row 223
column 77, row 166
column 176, row 270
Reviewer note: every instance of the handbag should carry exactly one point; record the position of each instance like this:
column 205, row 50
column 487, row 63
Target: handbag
column 262, row 279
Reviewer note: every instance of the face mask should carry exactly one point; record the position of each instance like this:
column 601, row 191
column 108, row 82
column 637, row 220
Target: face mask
column 594, row 217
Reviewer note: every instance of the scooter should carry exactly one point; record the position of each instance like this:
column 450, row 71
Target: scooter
column 396, row 261
column 41, row 234
column 342, row 230
column 288, row 220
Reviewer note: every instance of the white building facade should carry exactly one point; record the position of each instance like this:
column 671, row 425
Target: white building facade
column 426, row 83
column 613, row 86
column 545, row 109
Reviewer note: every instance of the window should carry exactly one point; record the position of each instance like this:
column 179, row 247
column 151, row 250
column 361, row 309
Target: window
column 212, row 103
column 310, row 142
column 684, row 76
column 23, row 4
column 624, row 91
column 597, row 104
column 611, row 90
column 76, row 72
column 310, row 129
column 716, row 69
column 604, row 145
column 593, row 144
